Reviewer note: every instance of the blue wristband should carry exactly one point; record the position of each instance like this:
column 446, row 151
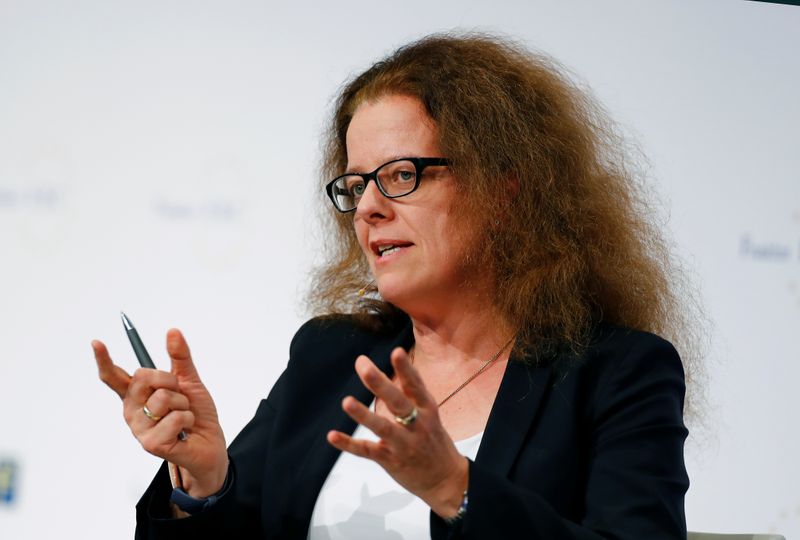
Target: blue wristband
column 192, row 505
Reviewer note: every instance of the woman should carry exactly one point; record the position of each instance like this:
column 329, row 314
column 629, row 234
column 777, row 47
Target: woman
column 506, row 382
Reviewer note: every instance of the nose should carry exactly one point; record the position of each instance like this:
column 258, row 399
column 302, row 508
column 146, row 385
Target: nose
column 373, row 206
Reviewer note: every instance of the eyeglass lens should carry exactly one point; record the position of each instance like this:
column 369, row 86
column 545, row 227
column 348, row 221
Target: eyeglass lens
column 394, row 179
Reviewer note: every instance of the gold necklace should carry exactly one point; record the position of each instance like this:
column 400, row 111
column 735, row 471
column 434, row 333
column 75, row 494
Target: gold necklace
column 483, row 368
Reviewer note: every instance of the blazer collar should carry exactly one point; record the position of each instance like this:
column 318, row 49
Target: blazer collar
column 322, row 456
column 512, row 415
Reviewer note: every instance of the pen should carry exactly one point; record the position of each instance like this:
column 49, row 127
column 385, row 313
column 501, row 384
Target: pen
column 136, row 342
column 141, row 352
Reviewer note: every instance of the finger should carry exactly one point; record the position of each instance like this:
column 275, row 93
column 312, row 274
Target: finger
column 178, row 350
column 383, row 388
column 410, row 380
column 161, row 438
column 379, row 425
column 139, row 421
column 144, row 382
column 358, row 447
column 114, row 376
column 162, row 401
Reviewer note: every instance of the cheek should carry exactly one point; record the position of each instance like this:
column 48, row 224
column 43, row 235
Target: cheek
column 457, row 242
column 361, row 230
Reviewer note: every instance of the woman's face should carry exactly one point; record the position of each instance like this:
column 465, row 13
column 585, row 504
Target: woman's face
column 425, row 267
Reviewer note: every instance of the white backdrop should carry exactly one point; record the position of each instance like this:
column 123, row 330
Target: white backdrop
column 159, row 157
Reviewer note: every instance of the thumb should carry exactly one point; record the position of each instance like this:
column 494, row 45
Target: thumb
column 178, row 350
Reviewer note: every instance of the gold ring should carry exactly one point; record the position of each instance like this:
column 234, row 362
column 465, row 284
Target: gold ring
column 408, row 419
column 150, row 415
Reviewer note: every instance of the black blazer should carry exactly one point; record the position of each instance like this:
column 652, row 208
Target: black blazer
column 581, row 448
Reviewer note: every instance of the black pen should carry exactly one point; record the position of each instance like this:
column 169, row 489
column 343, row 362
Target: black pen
column 141, row 352
column 136, row 342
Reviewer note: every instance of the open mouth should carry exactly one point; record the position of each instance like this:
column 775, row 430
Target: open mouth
column 382, row 250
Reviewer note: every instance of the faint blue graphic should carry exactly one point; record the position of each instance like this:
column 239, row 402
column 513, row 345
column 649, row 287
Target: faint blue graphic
column 38, row 178
column 30, row 198
column 765, row 250
column 8, row 479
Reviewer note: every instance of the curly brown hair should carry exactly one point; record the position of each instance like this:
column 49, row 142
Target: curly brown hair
column 576, row 245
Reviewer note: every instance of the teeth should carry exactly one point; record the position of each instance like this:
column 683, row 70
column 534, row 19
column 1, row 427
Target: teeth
column 389, row 248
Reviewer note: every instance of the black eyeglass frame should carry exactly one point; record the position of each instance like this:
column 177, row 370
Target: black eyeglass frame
column 420, row 163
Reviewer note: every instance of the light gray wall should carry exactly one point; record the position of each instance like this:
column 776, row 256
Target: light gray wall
column 159, row 157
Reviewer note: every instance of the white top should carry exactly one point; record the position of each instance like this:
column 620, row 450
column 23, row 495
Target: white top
column 360, row 501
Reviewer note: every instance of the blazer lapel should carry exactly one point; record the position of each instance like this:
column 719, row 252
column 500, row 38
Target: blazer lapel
column 512, row 414
column 322, row 456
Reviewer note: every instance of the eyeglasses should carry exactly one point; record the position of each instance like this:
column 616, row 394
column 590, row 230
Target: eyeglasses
column 394, row 179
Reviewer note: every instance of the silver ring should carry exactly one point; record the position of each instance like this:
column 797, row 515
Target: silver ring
column 149, row 414
column 408, row 419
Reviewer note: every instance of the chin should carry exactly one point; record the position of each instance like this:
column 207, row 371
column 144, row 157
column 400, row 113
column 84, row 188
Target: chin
column 401, row 294
column 393, row 290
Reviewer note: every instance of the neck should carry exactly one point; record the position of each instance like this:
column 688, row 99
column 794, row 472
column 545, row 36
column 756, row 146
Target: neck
column 466, row 330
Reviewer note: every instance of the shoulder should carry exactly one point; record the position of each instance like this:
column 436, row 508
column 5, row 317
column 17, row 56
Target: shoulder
column 623, row 365
column 333, row 337
column 322, row 329
column 615, row 348
column 335, row 331
column 613, row 338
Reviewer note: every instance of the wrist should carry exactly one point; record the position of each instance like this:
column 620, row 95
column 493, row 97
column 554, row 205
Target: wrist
column 448, row 501
column 202, row 487
column 184, row 504
column 462, row 511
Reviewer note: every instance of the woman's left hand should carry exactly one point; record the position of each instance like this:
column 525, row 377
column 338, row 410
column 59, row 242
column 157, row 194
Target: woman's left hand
column 421, row 456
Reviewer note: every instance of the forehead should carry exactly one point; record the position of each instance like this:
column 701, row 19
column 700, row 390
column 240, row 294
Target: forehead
column 387, row 128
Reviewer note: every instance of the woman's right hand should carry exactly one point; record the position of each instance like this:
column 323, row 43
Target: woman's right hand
column 182, row 401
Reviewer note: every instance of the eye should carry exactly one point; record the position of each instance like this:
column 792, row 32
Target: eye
column 354, row 185
column 406, row 176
